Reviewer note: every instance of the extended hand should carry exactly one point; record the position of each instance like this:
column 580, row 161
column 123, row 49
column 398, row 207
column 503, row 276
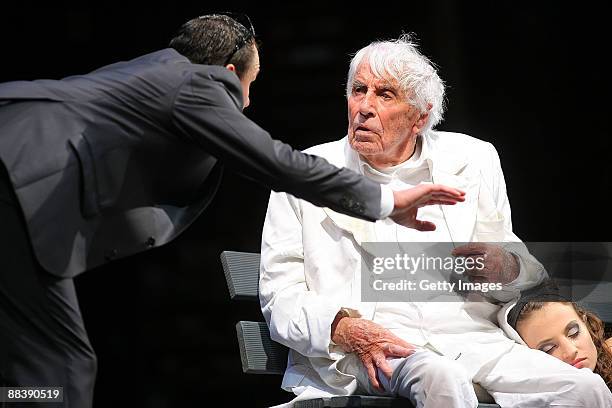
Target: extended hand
column 498, row 265
column 407, row 202
column 372, row 343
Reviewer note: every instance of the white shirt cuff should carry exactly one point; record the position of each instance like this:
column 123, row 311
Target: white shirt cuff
column 387, row 202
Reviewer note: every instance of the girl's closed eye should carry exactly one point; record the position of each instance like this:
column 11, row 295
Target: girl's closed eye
column 547, row 348
column 574, row 331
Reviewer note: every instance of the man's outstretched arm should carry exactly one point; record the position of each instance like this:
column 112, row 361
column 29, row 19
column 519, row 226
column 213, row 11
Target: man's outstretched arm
column 206, row 114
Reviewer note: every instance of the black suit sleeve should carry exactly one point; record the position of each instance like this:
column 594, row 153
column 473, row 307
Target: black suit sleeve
column 205, row 111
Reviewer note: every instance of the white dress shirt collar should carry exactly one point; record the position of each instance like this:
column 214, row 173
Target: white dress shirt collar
column 418, row 160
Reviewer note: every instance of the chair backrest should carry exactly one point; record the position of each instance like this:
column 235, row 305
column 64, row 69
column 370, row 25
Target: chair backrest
column 258, row 352
column 242, row 274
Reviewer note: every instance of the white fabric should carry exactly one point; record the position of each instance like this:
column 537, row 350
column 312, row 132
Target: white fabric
column 519, row 378
column 310, row 266
column 385, row 176
column 415, row 376
column 387, row 202
column 525, row 378
column 400, row 177
column 502, row 320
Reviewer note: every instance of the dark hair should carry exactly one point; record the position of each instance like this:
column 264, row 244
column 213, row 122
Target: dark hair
column 596, row 329
column 216, row 39
column 547, row 291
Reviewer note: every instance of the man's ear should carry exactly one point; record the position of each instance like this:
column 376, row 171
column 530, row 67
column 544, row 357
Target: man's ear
column 422, row 120
column 231, row 67
column 420, row 123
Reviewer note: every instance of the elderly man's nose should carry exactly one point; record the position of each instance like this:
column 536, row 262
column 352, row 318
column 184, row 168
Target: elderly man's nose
column 365, row 105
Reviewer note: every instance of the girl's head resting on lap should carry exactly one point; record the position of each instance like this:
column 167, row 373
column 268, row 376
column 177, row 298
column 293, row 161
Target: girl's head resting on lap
column 566, row 331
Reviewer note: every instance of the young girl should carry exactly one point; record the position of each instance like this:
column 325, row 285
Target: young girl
column 564, row 330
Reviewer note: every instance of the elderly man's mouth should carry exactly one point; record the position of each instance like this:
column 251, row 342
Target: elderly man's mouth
column 363, row 130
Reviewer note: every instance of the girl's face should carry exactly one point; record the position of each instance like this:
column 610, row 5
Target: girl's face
column 557, row 329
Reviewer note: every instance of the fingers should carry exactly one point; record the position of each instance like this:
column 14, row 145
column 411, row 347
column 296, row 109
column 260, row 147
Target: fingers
column 423, row 225
column 447, row 197
column 438, row 202
column 371, row 370
column 394, row 350
column 477, row 267
column 442, row 199
column 379, row 361
column 450, row 191
column 399, row 342
column 454, row 195
column 479, row 279
column 424, row 192
column 376, row 358
column 442, row 195
column 384, row 367
column 473, row 248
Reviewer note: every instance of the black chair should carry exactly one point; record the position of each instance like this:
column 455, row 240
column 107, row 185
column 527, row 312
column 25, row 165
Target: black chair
column 262, row 355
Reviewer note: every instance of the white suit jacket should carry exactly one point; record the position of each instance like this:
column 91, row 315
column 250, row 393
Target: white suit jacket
column 310, row 263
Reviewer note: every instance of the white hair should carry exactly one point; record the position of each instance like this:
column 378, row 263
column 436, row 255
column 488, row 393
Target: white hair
column 415, row 73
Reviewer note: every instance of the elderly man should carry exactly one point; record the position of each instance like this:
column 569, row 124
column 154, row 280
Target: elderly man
column 430, row 352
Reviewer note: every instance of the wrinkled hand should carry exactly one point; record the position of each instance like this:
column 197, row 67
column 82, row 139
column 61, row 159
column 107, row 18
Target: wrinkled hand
column 372, row 343
column 498, row 265
column 407, row 203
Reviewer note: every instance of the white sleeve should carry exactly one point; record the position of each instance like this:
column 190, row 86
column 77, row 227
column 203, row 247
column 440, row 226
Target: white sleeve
column 531, row 271
column 297, row 317
column 387, row 202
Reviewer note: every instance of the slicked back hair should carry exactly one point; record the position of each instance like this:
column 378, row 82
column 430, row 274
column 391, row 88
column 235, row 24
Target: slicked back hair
column 211, row 40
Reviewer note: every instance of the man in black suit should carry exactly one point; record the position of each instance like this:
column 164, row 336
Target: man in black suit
column 100, row 166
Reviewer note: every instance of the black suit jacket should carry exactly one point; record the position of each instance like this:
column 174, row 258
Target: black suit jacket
column 123, row 159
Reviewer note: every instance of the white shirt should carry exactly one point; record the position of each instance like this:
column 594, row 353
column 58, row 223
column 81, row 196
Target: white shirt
column 408, row 174
column 406, row 319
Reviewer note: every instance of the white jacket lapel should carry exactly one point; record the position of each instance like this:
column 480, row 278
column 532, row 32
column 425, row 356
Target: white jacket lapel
column 461, row 217
column 451, row 169
column 361, row 230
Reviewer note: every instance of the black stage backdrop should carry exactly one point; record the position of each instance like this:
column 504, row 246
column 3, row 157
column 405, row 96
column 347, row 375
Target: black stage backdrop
column 530, row 78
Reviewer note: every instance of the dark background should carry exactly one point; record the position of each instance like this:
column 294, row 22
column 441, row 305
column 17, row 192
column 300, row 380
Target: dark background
column 530, row 78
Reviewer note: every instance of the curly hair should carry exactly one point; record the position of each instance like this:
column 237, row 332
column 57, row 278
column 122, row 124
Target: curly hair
column 596, row 329
column 598, row 334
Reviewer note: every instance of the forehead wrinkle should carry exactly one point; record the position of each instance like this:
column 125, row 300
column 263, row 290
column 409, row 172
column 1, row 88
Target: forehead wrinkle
column 377, row 82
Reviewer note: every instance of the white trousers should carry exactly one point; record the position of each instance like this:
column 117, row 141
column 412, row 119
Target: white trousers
column 517, row 379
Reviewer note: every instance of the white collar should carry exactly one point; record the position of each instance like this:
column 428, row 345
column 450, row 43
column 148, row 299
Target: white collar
column 386, row 175
column 432, row 151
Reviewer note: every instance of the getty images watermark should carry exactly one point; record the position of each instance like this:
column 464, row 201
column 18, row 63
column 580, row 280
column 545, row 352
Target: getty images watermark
column 431, row 271
column 428, row 272
column 428, row 267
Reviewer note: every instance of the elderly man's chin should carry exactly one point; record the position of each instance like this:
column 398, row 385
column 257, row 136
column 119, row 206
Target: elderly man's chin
column 365, row 142
column 366, row 148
